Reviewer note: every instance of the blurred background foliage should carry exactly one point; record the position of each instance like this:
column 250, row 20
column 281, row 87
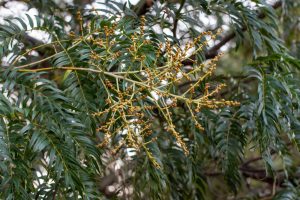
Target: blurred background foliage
column 48, row 148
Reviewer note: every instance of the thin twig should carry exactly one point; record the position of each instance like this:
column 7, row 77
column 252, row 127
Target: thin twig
column 177, row 14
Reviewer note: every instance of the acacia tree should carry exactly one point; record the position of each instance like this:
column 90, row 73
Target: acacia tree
column 150, row 101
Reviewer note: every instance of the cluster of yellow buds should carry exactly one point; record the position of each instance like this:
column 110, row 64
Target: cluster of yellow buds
column 147, row 86
column 80, row 20
column 142, row 28
column 109, row 30
column 178, row 138
column 154, row 91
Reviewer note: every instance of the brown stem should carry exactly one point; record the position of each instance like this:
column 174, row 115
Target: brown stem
column 176, row 18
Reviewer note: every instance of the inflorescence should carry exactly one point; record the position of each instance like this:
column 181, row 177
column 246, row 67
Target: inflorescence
column 142, row 90
column 129, row 110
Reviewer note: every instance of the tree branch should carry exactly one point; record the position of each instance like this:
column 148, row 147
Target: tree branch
column 143, row 6
column 213, row 51
column 260, row 174
column 176, row 17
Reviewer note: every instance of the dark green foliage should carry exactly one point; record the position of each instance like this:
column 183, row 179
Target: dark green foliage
column 49, row 138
